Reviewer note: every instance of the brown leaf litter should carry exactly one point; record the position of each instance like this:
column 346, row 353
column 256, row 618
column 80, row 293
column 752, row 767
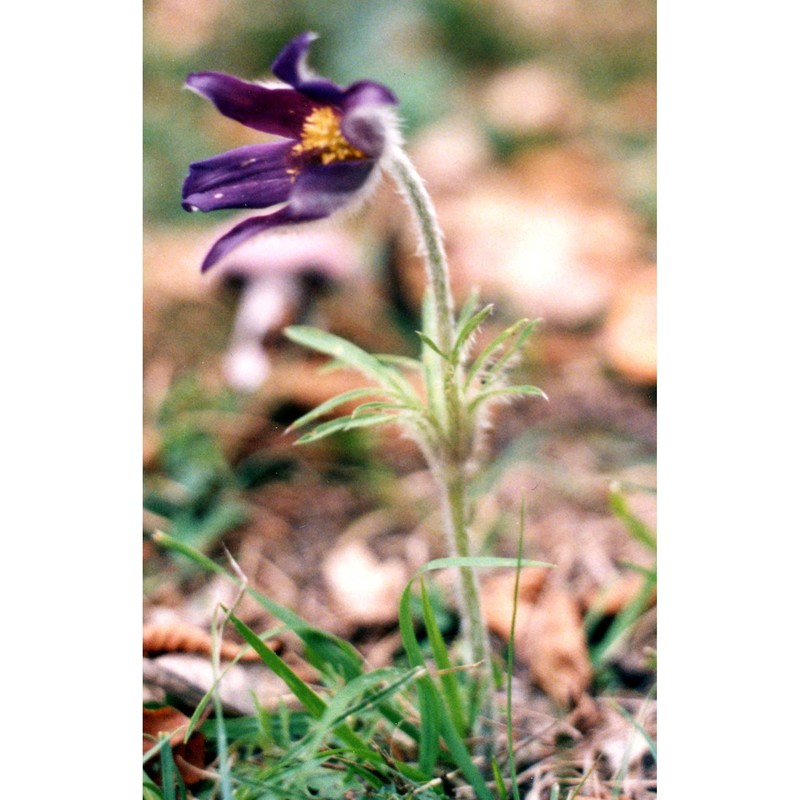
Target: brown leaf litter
column 181, row 637
column 190, row 755
column 549, row 634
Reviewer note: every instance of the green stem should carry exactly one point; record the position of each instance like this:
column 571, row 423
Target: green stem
column 450, row 461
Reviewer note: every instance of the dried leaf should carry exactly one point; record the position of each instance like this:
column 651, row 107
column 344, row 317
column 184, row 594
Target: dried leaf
column 180, row 637
column 189, row 756
column 497, row 596
column 366, row 591
column 612, row 599
column 549, row 635
column 630, row 332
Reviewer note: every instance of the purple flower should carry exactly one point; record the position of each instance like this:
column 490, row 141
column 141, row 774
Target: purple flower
column 333, row 142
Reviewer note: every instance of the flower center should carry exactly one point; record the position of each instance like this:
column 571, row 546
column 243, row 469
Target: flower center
column 322, row 135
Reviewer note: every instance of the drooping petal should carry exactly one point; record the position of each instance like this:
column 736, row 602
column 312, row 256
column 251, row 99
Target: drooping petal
column 290, row 66
column 280, row 111
column 324, row 188
column 255, row 176
column 317, row 193
column 367, row 116
column 244, row 231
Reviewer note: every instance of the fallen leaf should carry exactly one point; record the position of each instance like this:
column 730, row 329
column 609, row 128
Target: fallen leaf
column 630, row 331
column 611, row 599
column 549, row 634
column 366, row 590
column 190, row 755
column 180, row 637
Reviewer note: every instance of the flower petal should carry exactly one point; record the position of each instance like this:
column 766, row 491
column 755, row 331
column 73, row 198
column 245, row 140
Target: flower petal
column 271, row 110
column 368, row 93
column 244, row 231
column 322, row 189
column 317, row 193
column 367, row 117
column 290, row 66
column 255, row 176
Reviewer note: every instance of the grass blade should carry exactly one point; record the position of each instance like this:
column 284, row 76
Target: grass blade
column 636, row 528
column 450, row 689
column 477, row 562
column 502, row 794
column 619, row 628
column 170, row 777
column 636, row 724
column 312, row 702
column 201, row 706
column 426, row 690
column 512, row 766
column 435, row 719
column 323, row 650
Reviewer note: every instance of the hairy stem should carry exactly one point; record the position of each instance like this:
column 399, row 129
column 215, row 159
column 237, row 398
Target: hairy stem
column 451, row 459
column 438, row 274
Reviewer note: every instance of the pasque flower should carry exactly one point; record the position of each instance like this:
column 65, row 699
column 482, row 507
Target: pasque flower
column 333, row 141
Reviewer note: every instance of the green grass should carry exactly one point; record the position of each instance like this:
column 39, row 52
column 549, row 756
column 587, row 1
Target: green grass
column 391, row 732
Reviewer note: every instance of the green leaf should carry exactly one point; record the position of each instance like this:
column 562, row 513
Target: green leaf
column 350, row 354
column 636, row 528
column 400, row 361
column 471, row 325
column 343, row 704
column 359, row 410
column 312, row 702
column 426, row 690
column 345, row 424
column 488, row 352
column 335, row 402
column 531, row 391
column 201, row 706
column 476, row 561
column 433, row 346
column 169, row 772
column 502, row 794
column 435, row 720
column 512, row 767
column 452, row 695
column 468, row 309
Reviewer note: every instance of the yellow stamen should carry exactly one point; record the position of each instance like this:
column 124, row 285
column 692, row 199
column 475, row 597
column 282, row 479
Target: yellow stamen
column 322, row 134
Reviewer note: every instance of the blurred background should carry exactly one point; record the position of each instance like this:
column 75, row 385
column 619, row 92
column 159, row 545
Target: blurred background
column 533, row 123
